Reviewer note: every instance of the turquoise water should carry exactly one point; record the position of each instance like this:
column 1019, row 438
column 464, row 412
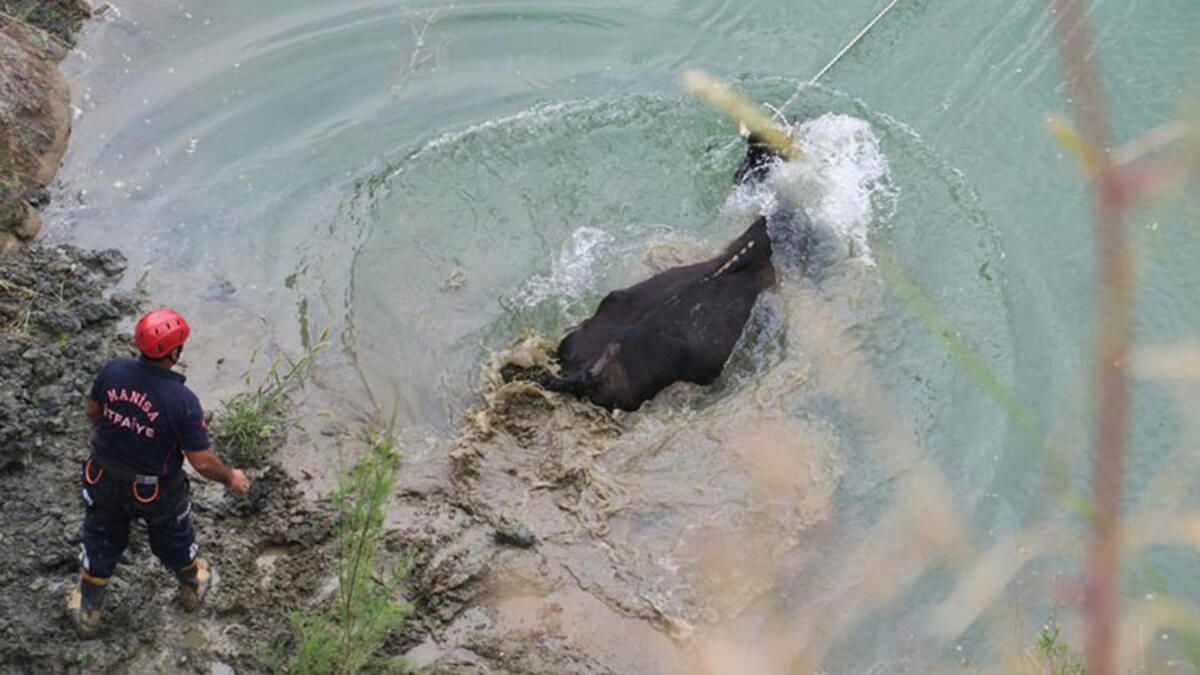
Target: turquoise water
column 432, row 181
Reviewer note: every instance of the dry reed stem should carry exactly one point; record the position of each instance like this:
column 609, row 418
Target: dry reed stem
column 1111, row 425
column 724, row 99
column 979, row 587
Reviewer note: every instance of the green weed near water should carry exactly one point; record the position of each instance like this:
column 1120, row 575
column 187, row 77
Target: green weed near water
column 343, row 638
column 250, row 425
column 1051, row 655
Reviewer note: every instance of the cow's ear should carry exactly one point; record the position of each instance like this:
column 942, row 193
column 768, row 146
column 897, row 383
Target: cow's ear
column 611, row 351
column 613, row 301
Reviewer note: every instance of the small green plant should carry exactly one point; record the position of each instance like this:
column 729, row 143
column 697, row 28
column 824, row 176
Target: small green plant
column 343, row 638
column 249, row 425
column 1051, row 655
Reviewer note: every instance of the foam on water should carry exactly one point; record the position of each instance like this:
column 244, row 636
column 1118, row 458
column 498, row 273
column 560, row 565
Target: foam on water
column 571, row 274
column 531, row 117
column 839, row 180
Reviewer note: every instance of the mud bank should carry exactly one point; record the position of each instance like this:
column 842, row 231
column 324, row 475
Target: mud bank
column 57, row 327
column 35, row 115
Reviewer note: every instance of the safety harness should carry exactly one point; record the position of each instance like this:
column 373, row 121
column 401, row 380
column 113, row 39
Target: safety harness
column 136, row 480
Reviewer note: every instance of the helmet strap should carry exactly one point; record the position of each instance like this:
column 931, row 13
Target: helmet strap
column 167, row 360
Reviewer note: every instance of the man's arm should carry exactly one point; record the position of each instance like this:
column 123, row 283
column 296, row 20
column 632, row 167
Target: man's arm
column 92, row 409
column 207, row 464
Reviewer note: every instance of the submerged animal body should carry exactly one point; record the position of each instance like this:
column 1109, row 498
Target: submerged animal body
column 680, row 324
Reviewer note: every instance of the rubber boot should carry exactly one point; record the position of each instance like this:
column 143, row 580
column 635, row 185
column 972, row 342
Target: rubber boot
column 194, row 580
column 84, row 602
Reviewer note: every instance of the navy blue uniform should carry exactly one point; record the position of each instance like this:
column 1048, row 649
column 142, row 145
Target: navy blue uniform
column 148, row 419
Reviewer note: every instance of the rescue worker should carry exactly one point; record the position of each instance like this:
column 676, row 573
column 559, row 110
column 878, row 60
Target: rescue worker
column 146, row 421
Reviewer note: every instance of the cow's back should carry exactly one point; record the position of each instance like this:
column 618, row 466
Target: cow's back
column 680, row 324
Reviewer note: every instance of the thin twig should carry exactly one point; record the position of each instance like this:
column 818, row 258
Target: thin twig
column 6, row 285
column 419, row 55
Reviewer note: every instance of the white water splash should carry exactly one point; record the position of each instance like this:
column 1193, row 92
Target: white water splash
column 839, row 180
column 573, row 272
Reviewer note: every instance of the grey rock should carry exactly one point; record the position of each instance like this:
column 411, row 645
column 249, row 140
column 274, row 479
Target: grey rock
column 58, row 320
column 515, row 534
column 97, row 310
column 127, row 302
column 46, row 368
column 49, row 399
column 56, row 558
column 111, row 261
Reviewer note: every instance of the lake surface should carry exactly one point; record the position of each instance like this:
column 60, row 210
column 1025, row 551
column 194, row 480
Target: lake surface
column 431, row 182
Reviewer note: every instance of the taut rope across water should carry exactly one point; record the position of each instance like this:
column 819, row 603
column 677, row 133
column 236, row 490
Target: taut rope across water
column 844, row 50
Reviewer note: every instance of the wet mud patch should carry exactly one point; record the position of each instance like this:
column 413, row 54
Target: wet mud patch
column 572, row 539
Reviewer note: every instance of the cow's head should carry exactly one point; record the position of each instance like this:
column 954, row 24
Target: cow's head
column 760, row 156
column 604, row 381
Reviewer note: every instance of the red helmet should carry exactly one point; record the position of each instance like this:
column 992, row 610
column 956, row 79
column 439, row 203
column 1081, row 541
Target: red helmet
column 160, row 331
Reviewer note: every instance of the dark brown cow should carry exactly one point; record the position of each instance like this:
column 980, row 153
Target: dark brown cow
column 680, row 324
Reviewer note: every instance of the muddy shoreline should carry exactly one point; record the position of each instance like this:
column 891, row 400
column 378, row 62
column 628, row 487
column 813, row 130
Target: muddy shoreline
column 274, row 553
column 60, row 321
column 471, row 549
column 532, row 546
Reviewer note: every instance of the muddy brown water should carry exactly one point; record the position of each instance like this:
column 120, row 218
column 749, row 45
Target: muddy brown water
column 655, row 531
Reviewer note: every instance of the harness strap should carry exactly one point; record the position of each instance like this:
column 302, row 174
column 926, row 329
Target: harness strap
column 122, row 472
column 136, row 480
column 87, row 473
column 138, row 496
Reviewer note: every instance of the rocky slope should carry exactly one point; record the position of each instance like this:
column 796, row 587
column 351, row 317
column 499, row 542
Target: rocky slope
column 57, row 327
column 35, row 114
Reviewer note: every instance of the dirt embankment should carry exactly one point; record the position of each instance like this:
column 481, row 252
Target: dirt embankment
column 58, row 325
column 35, row 108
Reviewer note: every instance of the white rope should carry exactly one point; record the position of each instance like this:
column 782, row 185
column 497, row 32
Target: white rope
column 853, row 42
column 840, row 54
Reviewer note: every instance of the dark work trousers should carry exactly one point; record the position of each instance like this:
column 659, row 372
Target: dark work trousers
column 110, row 502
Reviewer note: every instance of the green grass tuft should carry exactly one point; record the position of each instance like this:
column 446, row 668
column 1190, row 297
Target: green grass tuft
column 251, row 425
column 343, row 637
